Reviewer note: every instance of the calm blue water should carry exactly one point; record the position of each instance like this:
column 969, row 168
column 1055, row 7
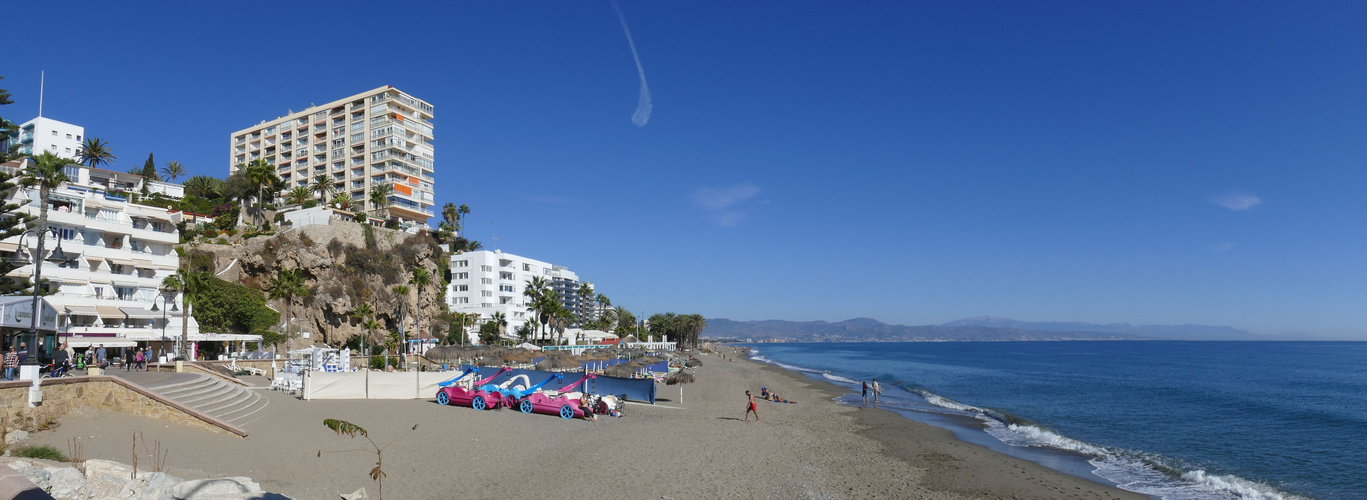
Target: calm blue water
column 1177, row 420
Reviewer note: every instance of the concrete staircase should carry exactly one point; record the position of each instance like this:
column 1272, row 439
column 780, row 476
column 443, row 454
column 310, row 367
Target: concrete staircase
column 236, row 404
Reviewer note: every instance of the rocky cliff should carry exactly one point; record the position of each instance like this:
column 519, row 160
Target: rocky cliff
column 344, row 265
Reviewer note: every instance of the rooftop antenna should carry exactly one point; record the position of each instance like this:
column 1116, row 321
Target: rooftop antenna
column 42, row 81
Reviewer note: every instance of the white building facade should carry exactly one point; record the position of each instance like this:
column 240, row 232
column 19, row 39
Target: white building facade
column 484, row 282
column 375, row 138
column 107, row 276
column 45, row 134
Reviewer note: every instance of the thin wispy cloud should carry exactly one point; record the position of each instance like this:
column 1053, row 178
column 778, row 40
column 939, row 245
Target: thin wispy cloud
column 643, row 104
column 726, row 203
column 1235, row 201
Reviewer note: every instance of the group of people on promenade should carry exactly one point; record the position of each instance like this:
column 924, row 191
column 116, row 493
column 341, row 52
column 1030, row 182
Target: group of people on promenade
column 66, row 358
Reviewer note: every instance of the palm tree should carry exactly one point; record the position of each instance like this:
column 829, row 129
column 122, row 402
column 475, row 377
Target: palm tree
column 379, row 198
column 370, row 326
column 191, row 284
column 585, row 294
column 421, row 278
column 501, row 320
column 462, row 211
column 204, row 186
column 342, row 200
column 534, row 292
column 46, row 171
column 323, row 185
column 299, row 195
column 288, row 285
column 603, row 303
column 172, row 170
column 95, row 152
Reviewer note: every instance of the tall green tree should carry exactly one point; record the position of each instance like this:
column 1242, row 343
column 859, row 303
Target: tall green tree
column 535, row 292
column 205, row 186
column 148, row 170
column 172, row 170
column 13, row 222
column 288, row 285
column 420, row 280
column 626, row 323
column 299, row 195
column 379, row 199
column 401, row 293
column 46, row 172
column 585, row 295
column 95, row 152
column 323, row 185
column 193, row 285
column 7, row 127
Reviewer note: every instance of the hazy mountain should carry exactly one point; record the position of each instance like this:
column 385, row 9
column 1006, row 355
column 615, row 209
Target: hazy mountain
column 1173, row 332
column 865, row 329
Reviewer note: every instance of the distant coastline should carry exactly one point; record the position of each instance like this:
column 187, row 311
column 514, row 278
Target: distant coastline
column 982, row 329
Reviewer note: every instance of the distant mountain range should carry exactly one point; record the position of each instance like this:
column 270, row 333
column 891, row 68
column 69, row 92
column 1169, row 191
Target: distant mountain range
column 984, row 328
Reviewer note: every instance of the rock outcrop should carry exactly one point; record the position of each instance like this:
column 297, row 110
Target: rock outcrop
column 343, row 264
column 103, row 479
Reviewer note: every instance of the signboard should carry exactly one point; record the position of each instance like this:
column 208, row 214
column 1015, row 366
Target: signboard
column 19, row 314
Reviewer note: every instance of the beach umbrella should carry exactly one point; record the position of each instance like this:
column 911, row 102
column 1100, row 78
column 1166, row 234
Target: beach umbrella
column 679, row 378
column 622, row 370
column 693, row 363
column 650, row 360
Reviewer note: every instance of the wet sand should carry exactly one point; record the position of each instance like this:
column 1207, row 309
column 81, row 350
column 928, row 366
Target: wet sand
column 697, row 448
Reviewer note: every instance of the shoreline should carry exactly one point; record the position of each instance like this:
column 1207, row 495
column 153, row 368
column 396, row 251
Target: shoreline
column 697, row 447
column 906, row 440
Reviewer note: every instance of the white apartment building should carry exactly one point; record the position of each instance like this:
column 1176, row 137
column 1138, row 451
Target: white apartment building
column 379, row 137
column 104, row 260
column 485, row 282
column 45, row 134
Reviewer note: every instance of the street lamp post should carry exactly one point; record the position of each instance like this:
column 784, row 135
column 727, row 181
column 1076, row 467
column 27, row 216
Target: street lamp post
column 173, row 308
column 58, row 257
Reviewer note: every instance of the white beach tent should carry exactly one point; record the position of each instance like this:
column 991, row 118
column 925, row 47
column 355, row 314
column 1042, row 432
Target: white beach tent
column 528, row 346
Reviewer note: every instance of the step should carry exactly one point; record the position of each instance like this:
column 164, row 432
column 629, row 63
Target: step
column 184, row 387
column 178, row 384
column 192, row 398
column 257, row 412
column 227, row 400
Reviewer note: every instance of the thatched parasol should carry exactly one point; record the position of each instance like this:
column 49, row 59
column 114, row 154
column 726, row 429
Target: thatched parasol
column 650, row 360
column 519, row 357
column 679, row 378
column 622, row 370
column 693, row 363
column 554, row 363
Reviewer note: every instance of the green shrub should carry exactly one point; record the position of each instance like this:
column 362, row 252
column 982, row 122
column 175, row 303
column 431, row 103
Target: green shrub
column 210, row 233
column 44, row 452
column 222, row 241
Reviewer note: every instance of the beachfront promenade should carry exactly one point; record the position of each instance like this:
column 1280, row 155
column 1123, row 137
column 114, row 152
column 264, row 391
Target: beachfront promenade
column 697, row 449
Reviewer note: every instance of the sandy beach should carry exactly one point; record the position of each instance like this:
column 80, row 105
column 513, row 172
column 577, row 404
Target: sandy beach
column 697, row 448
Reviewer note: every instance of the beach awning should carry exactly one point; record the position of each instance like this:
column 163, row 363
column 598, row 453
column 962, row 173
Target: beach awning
column 99, row 279
column 125, row 283
column 121, row 262
column 109, row 312
column 82, row 311
column 97, row 342
column 140, row 313
column 144, row 264
column 8, row 247
column 93, row 202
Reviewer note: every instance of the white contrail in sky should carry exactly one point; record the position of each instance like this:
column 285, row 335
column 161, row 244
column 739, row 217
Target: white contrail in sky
column 642, row 114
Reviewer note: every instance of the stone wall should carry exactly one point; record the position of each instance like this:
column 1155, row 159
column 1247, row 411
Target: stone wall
column 108, row 393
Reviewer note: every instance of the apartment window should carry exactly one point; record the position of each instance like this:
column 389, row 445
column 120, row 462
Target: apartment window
column 461, row 263
column 460, row 300
column 68, row 150
column 486, row 281
column 78, row 137
column 486, row 293
column 505, row 276
column 68, row 136
column 460, row 288
column 460, row 276
column 64, row 233
column 54, row 133
column 526, row 267
column 506, row 288
column 72, row 173
column 487, row 269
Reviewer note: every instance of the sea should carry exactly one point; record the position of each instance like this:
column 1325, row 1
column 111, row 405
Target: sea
column 1172, row 420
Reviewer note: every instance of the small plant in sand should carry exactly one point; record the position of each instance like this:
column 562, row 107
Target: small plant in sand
column 353, row 430
column 44, row 452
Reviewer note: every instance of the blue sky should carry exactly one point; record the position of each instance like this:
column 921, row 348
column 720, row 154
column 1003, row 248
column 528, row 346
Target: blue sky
column 1144, row 162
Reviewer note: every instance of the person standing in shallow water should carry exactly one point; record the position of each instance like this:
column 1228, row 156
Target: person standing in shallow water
column 751, row 408
column 866, row 391
column 877, row 390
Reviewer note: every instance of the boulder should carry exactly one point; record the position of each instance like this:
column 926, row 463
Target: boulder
column 222, row 488
column 16, row 436
column 65, row 482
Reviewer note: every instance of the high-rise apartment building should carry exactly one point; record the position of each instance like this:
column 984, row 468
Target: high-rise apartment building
column 45, row 134
column 378, row 138
column 484, row 282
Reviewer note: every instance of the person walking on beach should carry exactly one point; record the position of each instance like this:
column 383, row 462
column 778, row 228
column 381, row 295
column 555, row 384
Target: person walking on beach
column 877, row 390
column 137, row 361
column 101, row 357
column 866, row 391
column 752, row 408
